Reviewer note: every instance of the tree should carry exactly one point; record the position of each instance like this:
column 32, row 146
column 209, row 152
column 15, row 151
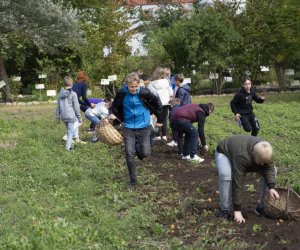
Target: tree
column 206, row 36
column 270, row 31
column 47, row 25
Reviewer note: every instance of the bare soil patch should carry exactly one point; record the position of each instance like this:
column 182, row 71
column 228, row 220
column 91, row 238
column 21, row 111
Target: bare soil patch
column 196, row 202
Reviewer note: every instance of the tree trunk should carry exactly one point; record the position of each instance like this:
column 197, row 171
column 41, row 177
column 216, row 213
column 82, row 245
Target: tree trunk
column 280, row 74
column 6, row 89
column 219, row 81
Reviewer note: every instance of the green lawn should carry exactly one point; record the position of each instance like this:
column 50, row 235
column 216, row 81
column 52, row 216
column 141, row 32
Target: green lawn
column 52, row 199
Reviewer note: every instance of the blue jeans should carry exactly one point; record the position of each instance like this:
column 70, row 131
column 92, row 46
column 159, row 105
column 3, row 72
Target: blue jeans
column 225, row 179
column 137, row 142
column 94, row 119
column 70, row 134
column 190, row 143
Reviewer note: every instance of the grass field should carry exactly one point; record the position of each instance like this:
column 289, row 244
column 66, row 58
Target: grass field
column 52, row 199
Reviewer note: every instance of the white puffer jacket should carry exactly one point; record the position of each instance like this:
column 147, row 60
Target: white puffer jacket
column 163, row 89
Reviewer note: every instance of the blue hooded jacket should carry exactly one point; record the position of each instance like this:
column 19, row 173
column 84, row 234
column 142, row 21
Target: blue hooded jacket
column 184, row 94
column 136, row 115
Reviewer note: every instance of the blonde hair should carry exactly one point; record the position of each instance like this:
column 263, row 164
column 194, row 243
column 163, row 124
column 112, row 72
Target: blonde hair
column 263, row 152
column 132, row 77
column 68, row 81
column 159, row 73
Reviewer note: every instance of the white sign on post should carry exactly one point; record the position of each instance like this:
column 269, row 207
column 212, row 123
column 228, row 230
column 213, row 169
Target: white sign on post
column 213, row 76
column 42, row 76
column 112, row 78
column 40, row 86
column 289, row 72
column 228, row 79
column 2, row 84
column 295, row 83
column 187, row 80
column 16, row 78
column 51, row 92
column 104, row 82
column 264, row 69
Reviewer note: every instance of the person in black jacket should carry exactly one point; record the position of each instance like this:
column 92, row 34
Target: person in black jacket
column 241, row 106
column 132, row 105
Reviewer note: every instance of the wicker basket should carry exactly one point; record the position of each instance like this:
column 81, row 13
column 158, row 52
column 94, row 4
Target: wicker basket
column 286, row 207
column 108, row 134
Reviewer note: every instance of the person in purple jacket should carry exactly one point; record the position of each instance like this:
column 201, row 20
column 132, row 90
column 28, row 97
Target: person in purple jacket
column 182, row 121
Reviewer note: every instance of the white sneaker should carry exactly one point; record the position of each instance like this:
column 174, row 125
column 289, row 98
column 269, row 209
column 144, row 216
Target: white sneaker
column 77, row 140
column 65, row 137
column 197, row 158
column 186, row 158
column 172, row 144
column 157, row 138
column 164, row 138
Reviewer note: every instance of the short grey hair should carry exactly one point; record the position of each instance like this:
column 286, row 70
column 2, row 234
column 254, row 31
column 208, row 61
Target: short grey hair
column 132, row 77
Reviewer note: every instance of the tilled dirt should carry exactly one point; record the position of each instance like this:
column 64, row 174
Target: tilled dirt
column 198, row 183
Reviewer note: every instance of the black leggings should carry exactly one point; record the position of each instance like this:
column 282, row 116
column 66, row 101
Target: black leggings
column 164, row 120
column 250, row 123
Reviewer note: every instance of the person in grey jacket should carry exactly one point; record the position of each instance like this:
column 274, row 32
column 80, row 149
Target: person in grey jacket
column 68, row 110
column 235, row 157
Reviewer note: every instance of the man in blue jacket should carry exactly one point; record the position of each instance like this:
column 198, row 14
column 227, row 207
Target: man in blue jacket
column 132, row 105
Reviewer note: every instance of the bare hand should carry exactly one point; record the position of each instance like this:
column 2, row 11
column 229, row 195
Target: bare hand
column 238, row 217
column 112, row 117
column 159, row 124
column 263, row 96
column 274, row 194
column 205, row 148
column 93, row 105
column 237, row 117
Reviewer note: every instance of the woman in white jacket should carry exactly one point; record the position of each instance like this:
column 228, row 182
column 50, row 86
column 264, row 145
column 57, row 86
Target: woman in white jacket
column 160, row 86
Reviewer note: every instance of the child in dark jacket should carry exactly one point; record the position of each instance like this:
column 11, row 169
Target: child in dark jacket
column 182, row 121
column 241, row 106
column 183, row 91
column 132, row 105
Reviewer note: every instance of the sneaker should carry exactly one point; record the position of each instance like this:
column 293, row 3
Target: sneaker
column 133, row 182
column 91, row 130
column 65, row 137
column 78, row 141
column 172, row 144
column 164, row 138
column 95, row 139
column 260, row 211
column 223, row 214
column 186, row 157
column 197, row 158
column 157, row 138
